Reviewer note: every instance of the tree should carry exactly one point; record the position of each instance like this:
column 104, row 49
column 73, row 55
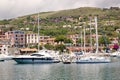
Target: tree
column 60, row 47
column 60, row 38
column 68, row 40
column 104, row 41
column 49, row 46
column 119, row 38
column 63, row 38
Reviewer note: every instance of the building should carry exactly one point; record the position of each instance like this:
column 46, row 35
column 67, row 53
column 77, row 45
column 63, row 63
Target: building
column 47, row 40
column 32, row 39
column 74, row 38
column 16, row 38
column 4, row 43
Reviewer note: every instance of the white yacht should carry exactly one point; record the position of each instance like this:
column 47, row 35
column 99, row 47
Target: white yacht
column 43, row 56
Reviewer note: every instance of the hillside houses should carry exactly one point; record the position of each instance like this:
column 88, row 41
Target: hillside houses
column 21, row 39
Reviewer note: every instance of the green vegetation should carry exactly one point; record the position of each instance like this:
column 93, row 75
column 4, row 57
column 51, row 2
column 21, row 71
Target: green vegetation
column 60, row 47
column 67, row 22
column 62, row 38
column 103, row 40
column 49, row 46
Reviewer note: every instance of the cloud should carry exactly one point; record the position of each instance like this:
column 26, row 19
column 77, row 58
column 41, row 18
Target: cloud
column 15, row 8
column 107, row 3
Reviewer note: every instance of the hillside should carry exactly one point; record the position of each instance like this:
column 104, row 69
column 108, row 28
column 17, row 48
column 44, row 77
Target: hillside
column 76, row 12
column 52, row 22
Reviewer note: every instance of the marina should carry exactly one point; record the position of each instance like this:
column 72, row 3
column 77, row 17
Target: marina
column 69, row 40
column 10, row 70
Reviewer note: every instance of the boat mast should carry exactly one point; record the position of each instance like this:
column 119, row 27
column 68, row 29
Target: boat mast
column 90, row 35
column 38, row 34
column 81, row 42
column 96, row 34
column 84, row 40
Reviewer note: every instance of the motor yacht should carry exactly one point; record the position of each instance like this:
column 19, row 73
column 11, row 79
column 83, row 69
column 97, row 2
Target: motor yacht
column 43, row 56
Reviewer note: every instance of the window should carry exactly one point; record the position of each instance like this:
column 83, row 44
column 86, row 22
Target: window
column 37, row 55
column 21, row 35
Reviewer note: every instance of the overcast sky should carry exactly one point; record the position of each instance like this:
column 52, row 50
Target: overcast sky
column 15, row 8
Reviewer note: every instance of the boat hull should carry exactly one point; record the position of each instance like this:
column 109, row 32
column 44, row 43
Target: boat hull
column 66, row 62
column 34, row 60
column 1, row 60
column 87, row 61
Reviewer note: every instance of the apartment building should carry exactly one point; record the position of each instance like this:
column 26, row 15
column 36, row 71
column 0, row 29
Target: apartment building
column 4, row 43
column 16, row 38
column 32, row 39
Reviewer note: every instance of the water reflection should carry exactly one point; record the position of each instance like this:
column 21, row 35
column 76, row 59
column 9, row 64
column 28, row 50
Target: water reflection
column 9, row 70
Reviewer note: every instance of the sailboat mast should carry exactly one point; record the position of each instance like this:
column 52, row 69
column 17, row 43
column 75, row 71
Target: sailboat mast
column 96, row 34
column 81, row 42
column 84, row 40
column 90, row 35
column 38, row 34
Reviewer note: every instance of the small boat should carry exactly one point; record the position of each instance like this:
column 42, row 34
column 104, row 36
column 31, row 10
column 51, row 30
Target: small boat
column 4, row 53
column 4, row 57
column 66, row 62
column 66, row 59
column 43, row 56
column 115, row 54
column 1, row 58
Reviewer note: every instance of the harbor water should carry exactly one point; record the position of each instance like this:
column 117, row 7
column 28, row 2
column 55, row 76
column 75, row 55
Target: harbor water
column 10, row 70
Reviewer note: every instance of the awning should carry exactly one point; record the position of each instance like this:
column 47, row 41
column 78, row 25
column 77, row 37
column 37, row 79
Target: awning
column 28, row 49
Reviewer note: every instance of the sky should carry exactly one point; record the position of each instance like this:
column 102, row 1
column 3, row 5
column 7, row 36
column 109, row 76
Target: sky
column 16, row 8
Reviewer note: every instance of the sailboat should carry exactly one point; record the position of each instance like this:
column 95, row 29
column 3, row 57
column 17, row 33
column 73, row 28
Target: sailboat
column 94, row 58
column 42, row 56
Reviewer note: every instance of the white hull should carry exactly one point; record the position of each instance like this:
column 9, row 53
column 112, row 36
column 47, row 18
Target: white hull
column 115, row 54
column 93, row 60
column 1, row 59
column 34, row 60
column 5, row 57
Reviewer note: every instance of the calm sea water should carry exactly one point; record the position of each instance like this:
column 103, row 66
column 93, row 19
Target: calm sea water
column 9, row 70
